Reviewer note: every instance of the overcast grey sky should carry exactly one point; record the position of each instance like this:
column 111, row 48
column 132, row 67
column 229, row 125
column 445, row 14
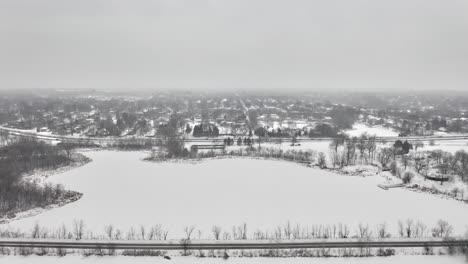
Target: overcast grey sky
column 347, row 44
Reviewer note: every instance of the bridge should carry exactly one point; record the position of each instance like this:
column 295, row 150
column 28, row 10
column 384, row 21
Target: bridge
column 233, row 245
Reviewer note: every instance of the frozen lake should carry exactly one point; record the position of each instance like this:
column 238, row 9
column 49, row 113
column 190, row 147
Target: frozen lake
column 121, row 189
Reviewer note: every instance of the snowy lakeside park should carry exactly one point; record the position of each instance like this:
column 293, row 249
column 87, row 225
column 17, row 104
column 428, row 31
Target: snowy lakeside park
column 122, row 190
column 71, row 259
column 451, row 146
column 357, row 130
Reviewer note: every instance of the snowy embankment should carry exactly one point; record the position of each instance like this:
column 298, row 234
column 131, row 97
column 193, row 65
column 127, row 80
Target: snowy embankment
column 78, row 259
column 40, row 177
column 454, row 188
column 121, row 190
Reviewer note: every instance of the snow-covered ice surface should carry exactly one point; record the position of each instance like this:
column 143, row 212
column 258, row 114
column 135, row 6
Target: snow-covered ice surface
column 121, row 189
column 189, row 260
column 379, row 131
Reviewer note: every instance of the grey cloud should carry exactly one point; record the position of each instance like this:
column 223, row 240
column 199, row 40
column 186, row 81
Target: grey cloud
column 269, row 44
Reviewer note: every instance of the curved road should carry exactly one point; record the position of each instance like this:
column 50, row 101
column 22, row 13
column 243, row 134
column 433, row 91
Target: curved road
column 23, row 133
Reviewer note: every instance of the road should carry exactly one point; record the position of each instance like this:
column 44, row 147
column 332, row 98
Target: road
column 245, row 111
column 231, row 245
column 154, row 140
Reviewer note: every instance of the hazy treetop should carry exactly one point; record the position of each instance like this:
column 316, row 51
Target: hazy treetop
column 220, row 44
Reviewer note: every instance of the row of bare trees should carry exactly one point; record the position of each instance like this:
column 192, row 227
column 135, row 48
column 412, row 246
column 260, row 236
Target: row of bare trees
column 364, row 149
column 308, row 156
column 406, row 229
column 435, row 165
column 346, row 151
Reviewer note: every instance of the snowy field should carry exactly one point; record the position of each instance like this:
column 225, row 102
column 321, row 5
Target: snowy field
column 379, row 131
column 121, row 189
column 318, row 146
column 451, row 146
column 191, row 260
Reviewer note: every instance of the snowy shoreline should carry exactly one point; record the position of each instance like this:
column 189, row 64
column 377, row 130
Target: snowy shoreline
column 369, row 170
column 194, row 161
column 39, row 177
column 38, row 210
column 421, row 189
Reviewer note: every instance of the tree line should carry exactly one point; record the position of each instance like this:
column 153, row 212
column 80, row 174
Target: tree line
column 21, row 157
column 408, row 228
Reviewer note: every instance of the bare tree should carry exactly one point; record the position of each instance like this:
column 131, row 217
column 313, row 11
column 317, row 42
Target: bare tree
column 442, row 229
column 188, row 231
column 364, row 231
column 62, row 232
column 142, row 232
column 382, row 231
column 419, row 161
column 371, row 147
column 322, row 160
column 461, row 164
column 401, row 228
column 216, row 232
column 157, row 233
column 334, row 157
column 445, row 163
column 243, row 231
column 420, row 229
column 36, row 232
column 336, row 143
column 409, row 228
column 287, row 231
column 78, row 229
column 165, row 234
column 226, row 236
column 68, row 148
column 131, row 234
column 385, row 155
column 109, row 231
column 118, row 234
column 362, row 143
column 343, row 231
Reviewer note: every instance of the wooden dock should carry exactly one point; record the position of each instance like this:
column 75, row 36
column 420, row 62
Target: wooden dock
column 390, row 186
column 197, row 147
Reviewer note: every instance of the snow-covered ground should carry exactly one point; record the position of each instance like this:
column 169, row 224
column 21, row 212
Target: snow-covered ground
column 379, row 131
column 447, row 187
column 318, row 146
column 72, row 259
column 447, row 134
column 121, row 189
column 451, row 146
